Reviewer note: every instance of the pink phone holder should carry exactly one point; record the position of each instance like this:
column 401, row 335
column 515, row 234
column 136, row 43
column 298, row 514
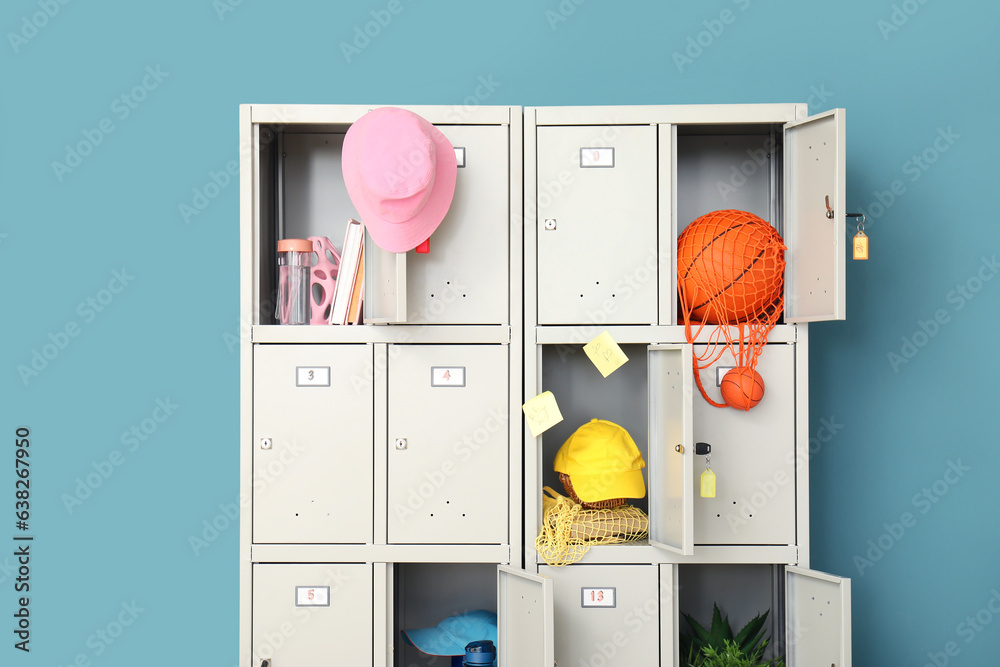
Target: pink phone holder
column 324, row 279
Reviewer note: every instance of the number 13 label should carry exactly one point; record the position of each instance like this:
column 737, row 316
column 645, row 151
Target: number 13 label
column 598, row 597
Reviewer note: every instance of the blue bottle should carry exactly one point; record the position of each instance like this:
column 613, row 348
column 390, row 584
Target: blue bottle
column 480, row 654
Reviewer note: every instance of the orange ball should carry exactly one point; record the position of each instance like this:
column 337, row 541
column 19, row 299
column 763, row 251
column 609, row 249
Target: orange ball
column 742, row 388
column 730, row 267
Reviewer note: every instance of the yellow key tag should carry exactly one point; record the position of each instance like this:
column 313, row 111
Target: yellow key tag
column 708, row 483
column 860, row 246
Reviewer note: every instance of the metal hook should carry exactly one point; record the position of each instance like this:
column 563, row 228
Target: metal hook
column 861, row 223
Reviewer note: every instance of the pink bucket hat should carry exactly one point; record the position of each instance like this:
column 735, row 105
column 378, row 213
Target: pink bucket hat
column 400, row 173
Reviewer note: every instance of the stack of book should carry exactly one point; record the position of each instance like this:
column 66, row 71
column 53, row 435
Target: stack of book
column 349, row 293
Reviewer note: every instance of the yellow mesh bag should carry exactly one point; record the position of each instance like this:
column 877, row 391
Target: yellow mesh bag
column 569, row 529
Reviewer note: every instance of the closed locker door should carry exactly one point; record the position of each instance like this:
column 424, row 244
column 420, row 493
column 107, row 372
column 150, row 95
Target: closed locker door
column 313, row 615
column 448, row 444
column 607, row 614
column 597, row 225
column 464, row 277
column 313, row 444
column 753, row 456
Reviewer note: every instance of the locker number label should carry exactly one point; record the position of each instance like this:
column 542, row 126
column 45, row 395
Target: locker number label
column 598, row 597
column 597, row 157
column 312, row 596
column 448, row 376
column 312, row 376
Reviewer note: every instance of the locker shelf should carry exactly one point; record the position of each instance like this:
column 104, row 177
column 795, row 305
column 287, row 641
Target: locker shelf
column 581, row 334
column 388, row 553
column 397, row 333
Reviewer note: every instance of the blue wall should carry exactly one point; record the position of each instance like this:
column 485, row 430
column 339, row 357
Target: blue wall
column 135, row 303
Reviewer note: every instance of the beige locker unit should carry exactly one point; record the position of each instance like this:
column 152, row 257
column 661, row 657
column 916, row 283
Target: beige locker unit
column 753, row 456
column 597, row 209
column 771, row 160
column 609, row 226
column 464, row 279
column 312, row 615
column 436, row 365
column 614, row 614
column 313, row 442
column 421, row 595
column 808, row 612
column 649, row 397
column 426, row 500
column 448, row 444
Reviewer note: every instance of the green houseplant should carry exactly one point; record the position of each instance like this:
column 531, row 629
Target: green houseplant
column 719, row 647
column 732, row 655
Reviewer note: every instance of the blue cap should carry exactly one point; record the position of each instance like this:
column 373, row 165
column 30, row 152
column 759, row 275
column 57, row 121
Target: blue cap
column 451, row 635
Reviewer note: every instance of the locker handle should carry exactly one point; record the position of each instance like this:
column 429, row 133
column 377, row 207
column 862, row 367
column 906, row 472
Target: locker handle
column 679, row 449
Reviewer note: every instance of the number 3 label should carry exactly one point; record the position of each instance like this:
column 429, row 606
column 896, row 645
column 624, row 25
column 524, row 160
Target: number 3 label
column 312, row 376
column 598, row 597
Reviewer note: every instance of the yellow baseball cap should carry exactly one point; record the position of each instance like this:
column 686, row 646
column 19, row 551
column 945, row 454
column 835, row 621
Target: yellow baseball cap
column 602, row 462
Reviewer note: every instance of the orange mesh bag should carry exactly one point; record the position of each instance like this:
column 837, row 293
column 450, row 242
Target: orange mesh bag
column 730, row 273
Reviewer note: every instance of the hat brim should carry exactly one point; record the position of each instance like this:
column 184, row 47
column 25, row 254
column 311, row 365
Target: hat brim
column 594, row 488
column 451, row 635
column 434, row 641
column 406, row 235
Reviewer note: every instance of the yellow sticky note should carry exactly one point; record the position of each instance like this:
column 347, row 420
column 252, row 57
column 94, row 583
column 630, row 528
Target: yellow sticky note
column 605, row 354
column 542, row 413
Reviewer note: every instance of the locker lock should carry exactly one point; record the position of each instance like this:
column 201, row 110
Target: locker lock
column 550, row 223
column 266, row 662
column 702, row 448
column 265, row 443
column 400, row 443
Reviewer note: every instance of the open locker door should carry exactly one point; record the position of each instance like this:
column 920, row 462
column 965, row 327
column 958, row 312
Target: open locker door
column 814, row 229
column 525, row 619
column 384, row 285
column 818, row 619
column 670, row 472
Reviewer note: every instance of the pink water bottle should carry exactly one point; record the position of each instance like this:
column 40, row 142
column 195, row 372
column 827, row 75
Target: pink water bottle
column 294, row 267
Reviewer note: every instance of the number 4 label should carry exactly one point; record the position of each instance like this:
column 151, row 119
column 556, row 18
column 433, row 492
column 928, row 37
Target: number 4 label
column 598, row 597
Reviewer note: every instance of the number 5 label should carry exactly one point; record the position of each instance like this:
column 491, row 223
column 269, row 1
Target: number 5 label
column 598, row 597
column 312, row 596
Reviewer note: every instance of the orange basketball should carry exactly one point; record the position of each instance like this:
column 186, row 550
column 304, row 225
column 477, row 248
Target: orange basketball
column 730, row 268
column 742, row 388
